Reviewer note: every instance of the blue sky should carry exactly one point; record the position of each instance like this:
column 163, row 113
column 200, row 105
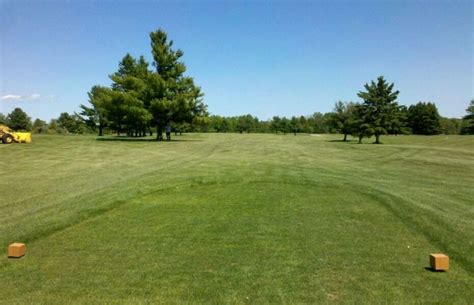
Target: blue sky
column 260, row 57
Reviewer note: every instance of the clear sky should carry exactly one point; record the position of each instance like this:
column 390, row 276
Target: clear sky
column 260, row 57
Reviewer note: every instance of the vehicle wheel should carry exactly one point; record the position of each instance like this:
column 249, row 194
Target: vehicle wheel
column 7, row 138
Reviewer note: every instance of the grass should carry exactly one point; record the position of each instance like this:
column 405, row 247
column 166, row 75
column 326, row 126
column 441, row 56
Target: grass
column 257, row 219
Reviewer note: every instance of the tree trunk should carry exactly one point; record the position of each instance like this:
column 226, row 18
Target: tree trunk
column 101, row 130
column 377, row 139
column 360, row 139
column 345, row 137
column 159, row 133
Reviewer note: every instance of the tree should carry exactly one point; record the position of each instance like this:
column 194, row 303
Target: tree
column 19, row 120
column 173, row 96
column 294, row 125
column 340, row 119
column 67, row 122
column 303, row 124
column 246, row 123
column 450, row 126
column 275, row 124
column 3, row 118
column 319, row 123
column 381, row 108
column 89, row 117
column 131, row 96
column 139, row 97
column 40, row 126
column 400, row 121
column 468, row 120
column 100, row 99
column 358, row 123
column 285, row 125
column 424, row 119
column 53, row 127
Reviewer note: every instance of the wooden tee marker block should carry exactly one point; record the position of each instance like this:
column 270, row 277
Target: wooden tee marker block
column 439, row 262
column 16, row 250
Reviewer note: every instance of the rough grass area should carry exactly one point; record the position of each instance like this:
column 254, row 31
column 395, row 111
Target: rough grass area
column 230, row 218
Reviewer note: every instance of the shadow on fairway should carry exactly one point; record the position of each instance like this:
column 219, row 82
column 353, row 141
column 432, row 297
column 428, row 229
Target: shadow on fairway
column 342, row 141
column 126, row 139
column 433, row 270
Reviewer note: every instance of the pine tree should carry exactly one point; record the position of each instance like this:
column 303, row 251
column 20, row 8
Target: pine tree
column 381, row 108
column 174, row 97
column 358, row 122
column 468, row 120
column 19, row 120
column 140, row 97
column 340, row 119
column 424, row 119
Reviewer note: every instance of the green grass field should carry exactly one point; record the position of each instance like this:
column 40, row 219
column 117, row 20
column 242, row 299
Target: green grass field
column 255, row 219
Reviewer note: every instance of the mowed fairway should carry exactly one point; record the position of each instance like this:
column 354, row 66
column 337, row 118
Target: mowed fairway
column 231, row 218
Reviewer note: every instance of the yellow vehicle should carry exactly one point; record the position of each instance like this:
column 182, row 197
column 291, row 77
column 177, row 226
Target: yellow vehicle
column 8, row 136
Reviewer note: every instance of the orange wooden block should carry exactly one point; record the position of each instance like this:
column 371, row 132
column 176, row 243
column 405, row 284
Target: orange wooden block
column 439, row 261
column 16, row 250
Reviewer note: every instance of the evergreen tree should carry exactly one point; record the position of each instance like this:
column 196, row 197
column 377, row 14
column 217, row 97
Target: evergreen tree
column 400, row 121
column 340, row 119
column 424, row 119
column 275, row 124
column 358, row 122
column 19, row 120
column 319, row 122
column 173, row 96
column 294, row 125
column 140, row 97
column 450, row 126
column 90, row 118
column 53, row 127
column 40, row 126
column 3, row 118
column 100, row 99
column 468, row 120
column 381, row 109
column 285, row 125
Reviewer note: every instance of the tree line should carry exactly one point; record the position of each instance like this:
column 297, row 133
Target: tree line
column 422, row 118
column 144, row 98
column 347, row 118
column 65, row 124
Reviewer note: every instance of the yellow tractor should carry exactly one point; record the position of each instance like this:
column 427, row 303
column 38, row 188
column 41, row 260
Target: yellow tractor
column 8, row 136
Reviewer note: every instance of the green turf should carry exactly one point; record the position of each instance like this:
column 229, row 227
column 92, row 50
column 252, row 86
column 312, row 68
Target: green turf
column 236, row 218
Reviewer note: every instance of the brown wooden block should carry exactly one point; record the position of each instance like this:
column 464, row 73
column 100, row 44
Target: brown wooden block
column 439, row 261
column 16, row 250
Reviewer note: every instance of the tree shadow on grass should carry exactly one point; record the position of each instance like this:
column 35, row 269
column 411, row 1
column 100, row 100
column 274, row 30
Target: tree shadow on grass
column 128, row 139
column 342, row 141
column 346, row 141
column 352, row 142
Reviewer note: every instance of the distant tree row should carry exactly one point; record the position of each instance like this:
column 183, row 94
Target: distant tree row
column 66, row 123
column 422, row 118
column 374, row 117
column 379, row 114
column 316, row 123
